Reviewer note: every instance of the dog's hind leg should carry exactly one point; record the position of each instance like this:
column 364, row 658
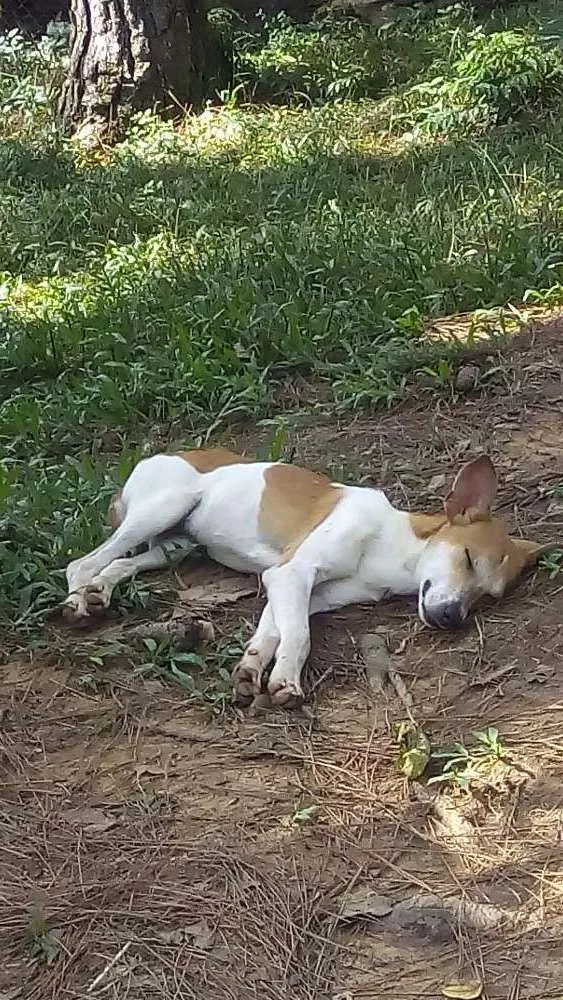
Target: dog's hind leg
column 164, row 553
column 141, row 526
column 158, row 497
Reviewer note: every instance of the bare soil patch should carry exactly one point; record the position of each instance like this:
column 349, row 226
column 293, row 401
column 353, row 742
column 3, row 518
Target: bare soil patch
column 150, row 848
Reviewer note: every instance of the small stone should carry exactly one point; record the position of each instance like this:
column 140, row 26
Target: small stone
column 467, row 378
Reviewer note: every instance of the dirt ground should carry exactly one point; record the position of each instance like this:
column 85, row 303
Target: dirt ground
column 151, row 848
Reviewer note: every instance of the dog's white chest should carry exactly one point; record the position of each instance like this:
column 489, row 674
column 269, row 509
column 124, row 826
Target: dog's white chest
column 389, row 563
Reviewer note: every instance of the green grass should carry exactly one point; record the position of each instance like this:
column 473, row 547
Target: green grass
column 172, row 279
column 205, row 676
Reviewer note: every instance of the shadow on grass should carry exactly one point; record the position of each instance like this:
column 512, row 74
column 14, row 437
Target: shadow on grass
column 213, row 275
column 400, row 214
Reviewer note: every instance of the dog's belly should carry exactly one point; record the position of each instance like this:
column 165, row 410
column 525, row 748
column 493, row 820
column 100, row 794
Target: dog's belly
column 243, row 562
column 232, row 544
column 225, row 522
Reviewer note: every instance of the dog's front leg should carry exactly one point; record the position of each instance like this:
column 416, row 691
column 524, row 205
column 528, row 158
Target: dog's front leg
column 259, row 653
column 289, row 590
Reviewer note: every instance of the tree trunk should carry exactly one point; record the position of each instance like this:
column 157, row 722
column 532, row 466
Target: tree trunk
column 130, row 54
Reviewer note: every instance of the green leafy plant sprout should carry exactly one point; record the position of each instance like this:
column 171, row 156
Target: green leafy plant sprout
column 205, row 679
column 466, row 765
column 553, row 561
column 42, row 945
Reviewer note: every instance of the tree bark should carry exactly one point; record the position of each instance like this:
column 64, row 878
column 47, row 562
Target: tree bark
column 131, row 54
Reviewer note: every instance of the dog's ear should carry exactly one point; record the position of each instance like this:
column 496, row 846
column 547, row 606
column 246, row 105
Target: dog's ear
column 529, row 552
column 473, row 492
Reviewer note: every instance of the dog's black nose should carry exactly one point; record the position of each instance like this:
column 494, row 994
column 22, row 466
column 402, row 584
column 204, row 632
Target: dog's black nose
column 450, row 615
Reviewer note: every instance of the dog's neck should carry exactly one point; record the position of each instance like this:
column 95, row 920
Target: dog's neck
column 420, row 530
column 426, row 525
column 393, row 556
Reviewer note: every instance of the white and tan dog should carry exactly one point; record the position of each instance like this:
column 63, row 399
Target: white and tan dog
column 318, row 545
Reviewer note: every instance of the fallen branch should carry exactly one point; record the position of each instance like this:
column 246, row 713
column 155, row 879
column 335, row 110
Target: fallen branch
column 185, row 632
column 113, row 961
column 379, row 668
column 403, row 693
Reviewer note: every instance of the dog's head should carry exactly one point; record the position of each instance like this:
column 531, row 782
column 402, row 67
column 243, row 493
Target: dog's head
column 469, row 554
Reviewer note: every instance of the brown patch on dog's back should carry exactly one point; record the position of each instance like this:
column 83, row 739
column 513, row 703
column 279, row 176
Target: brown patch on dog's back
column 294, row 502
column 208, row 459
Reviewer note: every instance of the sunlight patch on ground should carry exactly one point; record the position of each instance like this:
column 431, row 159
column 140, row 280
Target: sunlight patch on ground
column 491, row 324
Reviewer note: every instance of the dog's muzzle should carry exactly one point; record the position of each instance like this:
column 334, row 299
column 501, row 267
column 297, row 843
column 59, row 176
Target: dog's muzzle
column 447, row 615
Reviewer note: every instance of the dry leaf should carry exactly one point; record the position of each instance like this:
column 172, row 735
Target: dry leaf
column 364, row 902
column 211, row 595
column 415, row 750
column 201, row 933
column 470, row 990
column 437, row 483
column 91, row 820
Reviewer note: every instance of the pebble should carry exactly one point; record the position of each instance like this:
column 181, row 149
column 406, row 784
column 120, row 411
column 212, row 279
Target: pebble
column 467, row 378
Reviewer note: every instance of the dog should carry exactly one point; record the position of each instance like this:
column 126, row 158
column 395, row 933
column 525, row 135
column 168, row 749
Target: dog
column 318, row 546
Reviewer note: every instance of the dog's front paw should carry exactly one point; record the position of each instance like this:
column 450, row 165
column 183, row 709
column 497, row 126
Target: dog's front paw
column 97, row 597
column 75, row 611
column 247, row 678
column 285, row 693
